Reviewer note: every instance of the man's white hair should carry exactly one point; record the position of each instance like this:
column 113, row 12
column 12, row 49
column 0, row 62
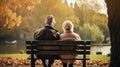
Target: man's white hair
column 67, row 25
column 49, row 19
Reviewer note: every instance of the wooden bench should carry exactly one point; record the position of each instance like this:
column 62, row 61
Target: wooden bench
column 79, row 48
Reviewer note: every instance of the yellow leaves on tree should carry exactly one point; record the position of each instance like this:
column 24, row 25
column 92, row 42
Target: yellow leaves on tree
column 12, row 19
column 10, row 24
column 99, row 19
column 60, row 10
column 9, row 17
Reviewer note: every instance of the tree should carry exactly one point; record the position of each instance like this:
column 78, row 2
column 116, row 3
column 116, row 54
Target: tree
column 88, row 15
column 114, row 27
column 91, row 32
column 60, row 10
column 83, row 12
column 11, row 13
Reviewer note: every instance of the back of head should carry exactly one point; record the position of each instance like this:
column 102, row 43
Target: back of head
column 67, row 25
column 49, row 19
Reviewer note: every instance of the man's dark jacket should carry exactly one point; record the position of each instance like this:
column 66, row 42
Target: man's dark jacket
column 46, row 33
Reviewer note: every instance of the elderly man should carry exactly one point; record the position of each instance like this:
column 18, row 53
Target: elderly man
column 48, row 32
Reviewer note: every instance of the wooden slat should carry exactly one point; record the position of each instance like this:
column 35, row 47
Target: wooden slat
column 74, row 47
column 59, row 52
column 71, row 44
column 82, row 47
column 67, row 47
column 28, row 42
column 88, row 42
column 30, row 47
column 29, row 52
column 47, row 42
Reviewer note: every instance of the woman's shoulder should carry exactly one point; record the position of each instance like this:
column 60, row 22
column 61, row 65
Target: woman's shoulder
column 62, row 34
column 77, row 36
column 69, row 34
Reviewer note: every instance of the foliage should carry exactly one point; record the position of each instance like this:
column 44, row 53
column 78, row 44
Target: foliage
column 87, row 15
column 91, row 32
column 60, row 10
column 12, row 13
column 24, row 17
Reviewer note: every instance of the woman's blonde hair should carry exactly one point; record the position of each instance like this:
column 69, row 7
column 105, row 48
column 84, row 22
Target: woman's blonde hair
column 67, row 25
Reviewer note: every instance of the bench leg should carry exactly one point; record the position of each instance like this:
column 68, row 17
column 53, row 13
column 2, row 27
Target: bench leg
column 32, row 63
column 32, row 60
column 84, row 63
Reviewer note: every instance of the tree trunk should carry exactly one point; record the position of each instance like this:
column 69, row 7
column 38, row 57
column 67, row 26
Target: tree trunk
column 114, row 27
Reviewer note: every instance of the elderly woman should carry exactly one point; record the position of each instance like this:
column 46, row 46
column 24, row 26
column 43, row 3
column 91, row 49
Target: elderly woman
column 68, row 34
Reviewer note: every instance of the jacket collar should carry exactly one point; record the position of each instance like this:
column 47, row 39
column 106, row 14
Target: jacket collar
column 50, row 27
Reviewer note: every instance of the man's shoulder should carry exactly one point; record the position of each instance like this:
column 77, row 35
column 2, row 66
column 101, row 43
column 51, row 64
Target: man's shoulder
column 41, row 29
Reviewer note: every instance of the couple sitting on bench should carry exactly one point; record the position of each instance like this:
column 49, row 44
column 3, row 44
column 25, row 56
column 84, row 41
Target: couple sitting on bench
column 48, row 32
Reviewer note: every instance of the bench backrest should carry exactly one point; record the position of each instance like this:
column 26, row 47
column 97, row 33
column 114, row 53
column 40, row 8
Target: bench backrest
column 59, row 47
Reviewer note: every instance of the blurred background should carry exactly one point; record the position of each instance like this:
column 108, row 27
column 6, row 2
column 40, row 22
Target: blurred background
column 20, row 18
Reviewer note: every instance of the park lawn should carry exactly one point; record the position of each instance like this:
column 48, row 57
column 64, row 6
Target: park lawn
column 99, row 57
column 24, row 56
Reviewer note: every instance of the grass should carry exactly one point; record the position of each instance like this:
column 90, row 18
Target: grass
column 24, row 56
column 99, row 57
